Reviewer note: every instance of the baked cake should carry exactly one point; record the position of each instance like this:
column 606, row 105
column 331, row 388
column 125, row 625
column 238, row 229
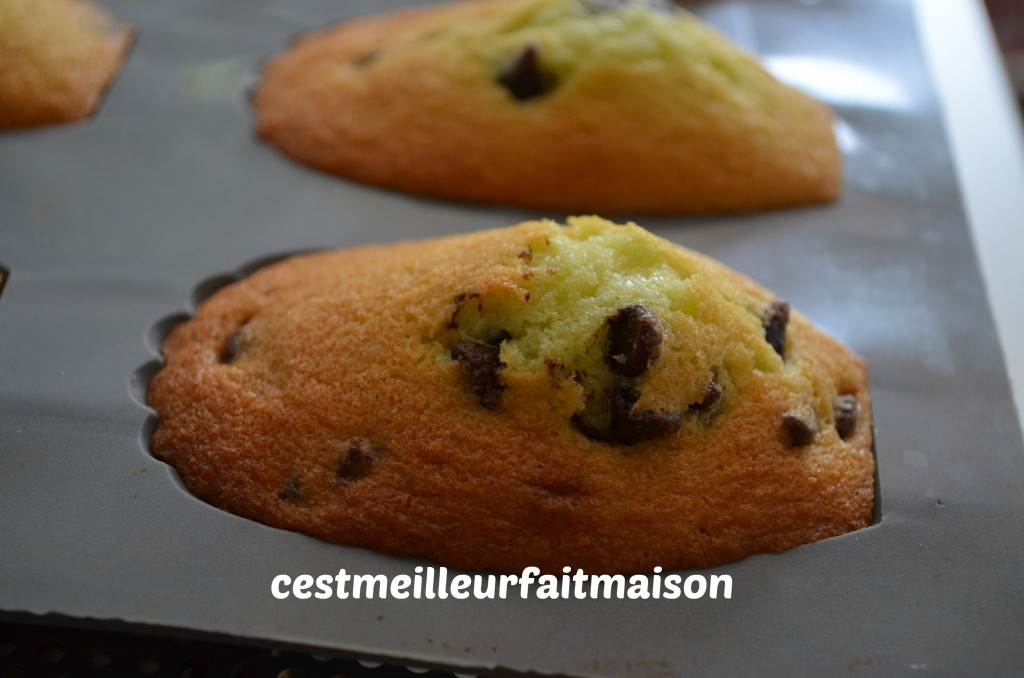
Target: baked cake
column 604, row 106
column 586, row 395
column 56, row 59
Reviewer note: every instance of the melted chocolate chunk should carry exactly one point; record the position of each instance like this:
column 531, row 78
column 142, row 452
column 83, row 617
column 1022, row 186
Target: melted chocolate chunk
column 846, row 410
column 524, row 77
column 631, row 425
column 290, row 492
column 712, row 396
column 366, row 59
column 775, row 320
column 634, row 341
column 799, row 427
column 588, row 430
column 453, row 322
column 232, row 347
column 357, row 461
column 482, row 365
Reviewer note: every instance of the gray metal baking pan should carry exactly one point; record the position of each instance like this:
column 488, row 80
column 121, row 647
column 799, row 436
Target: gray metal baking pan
column 110, row 225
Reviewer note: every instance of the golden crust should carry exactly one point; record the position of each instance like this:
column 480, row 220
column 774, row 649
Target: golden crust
column 686, row 123
column 337, row 350
column 57, row 57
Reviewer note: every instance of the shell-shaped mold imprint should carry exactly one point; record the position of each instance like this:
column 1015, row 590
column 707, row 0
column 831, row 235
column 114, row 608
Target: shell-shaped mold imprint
column 138, row 383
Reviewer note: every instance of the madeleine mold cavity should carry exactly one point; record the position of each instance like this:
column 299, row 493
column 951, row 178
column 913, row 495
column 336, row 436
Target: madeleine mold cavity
column 138, row 383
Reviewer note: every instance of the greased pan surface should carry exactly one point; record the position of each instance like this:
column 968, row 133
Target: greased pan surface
column 110, row 226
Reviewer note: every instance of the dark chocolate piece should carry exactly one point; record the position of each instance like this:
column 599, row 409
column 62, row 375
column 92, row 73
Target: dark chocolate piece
column 775, row 320
column 232, row 347
column 846, row 410
column 482, row 365
column 524, row 77
column 799, row 427
column 712, row 396
column 634, row 341
column 290, row 492
column 366, row 59
column 360, row 453
column 632, row 425
column 588, row 430
column 453, row 322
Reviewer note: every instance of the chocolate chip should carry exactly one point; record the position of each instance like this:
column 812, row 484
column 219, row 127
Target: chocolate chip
column 366, row 59
column 232, row 347
column 482, row 365
column 634, row 341
column 358, row 459
column 588, row 430
column 799, row 427
column 524, row 77
column 453, row 322
column 845, row 410
column 631, row 425
column 712, row 396
column 290, row 492
column 775, row 320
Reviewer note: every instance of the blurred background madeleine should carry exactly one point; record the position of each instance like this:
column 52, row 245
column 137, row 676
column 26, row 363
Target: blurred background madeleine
column 57, row 58
column 624, row 107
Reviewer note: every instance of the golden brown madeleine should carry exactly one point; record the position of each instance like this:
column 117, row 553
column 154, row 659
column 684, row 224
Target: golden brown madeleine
column 57, row 57
column 588, row 395
column 572, row 105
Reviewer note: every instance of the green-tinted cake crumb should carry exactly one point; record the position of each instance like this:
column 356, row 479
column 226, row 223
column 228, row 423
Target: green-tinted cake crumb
column 578, row 282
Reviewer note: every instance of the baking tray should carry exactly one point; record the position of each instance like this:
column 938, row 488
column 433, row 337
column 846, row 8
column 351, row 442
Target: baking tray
column 110, row 226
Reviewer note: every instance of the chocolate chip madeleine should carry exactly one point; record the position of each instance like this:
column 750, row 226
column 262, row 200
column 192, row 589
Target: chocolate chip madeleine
column 586, row 395
column 571, row 105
